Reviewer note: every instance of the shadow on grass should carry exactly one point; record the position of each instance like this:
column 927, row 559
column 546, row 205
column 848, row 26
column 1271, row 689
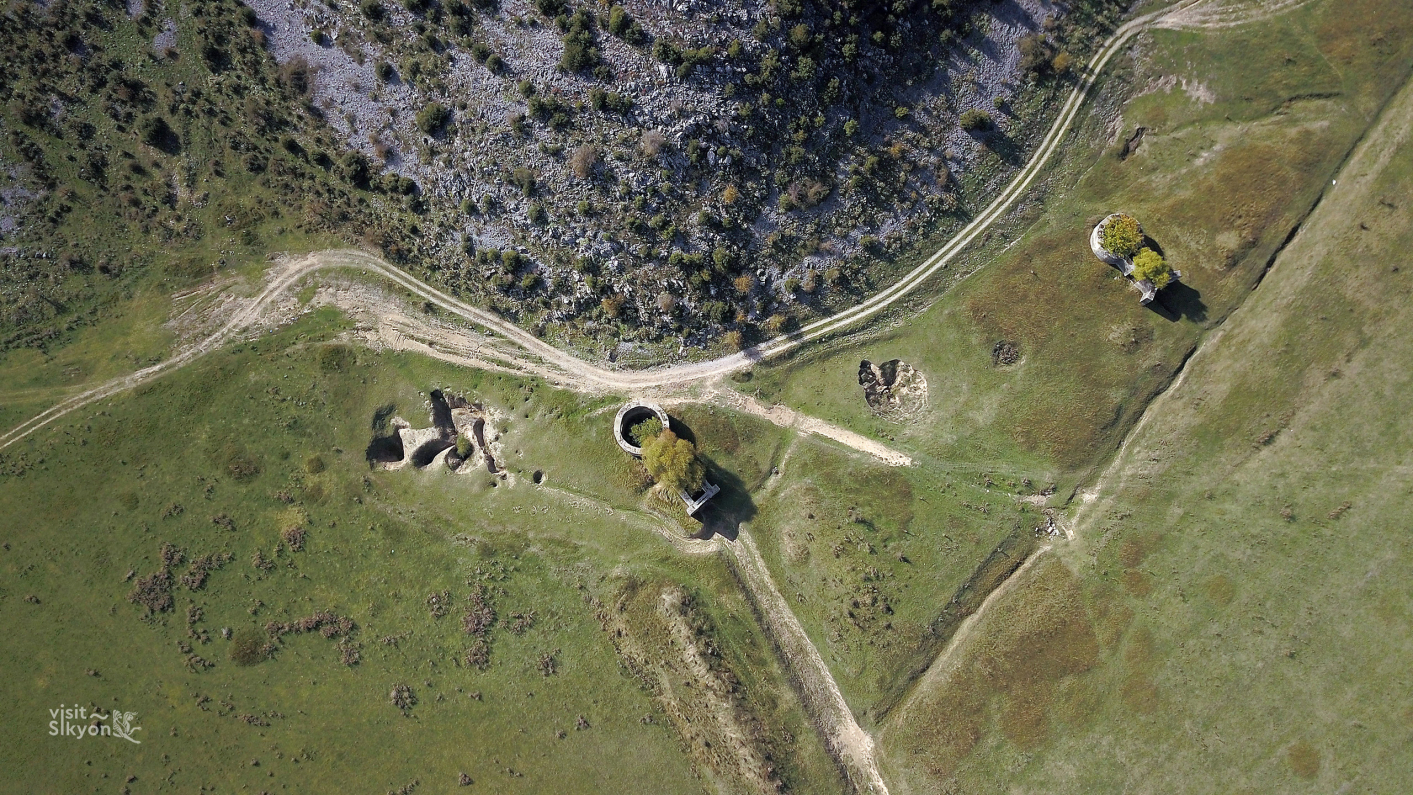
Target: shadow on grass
column 1011, row 151
column 723, row 515
column 1180, row 300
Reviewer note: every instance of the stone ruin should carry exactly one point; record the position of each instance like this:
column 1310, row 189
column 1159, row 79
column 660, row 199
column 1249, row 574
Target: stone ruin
column 893, row 389
column 452, row 417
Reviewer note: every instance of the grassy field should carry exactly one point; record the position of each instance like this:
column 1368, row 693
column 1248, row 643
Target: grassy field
column 1237, row 552
column 1234, row 615
column 1243, row 129
column 222, row 457
column 870, row 571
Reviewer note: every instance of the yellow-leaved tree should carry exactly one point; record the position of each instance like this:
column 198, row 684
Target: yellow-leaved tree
column 673, row 462
column 1149, row 264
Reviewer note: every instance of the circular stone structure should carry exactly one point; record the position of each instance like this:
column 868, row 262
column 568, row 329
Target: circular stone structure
column 631, row 414
column 1106, row 256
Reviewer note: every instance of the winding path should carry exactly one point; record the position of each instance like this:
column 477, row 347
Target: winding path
column 584, row 375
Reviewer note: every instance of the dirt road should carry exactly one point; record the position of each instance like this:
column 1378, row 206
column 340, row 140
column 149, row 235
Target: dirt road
column 853, row 746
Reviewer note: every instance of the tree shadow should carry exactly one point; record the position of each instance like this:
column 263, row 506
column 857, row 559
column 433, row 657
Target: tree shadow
column 725, row 513
column 680, row 428
column 1003, row 146
column 1180, row 300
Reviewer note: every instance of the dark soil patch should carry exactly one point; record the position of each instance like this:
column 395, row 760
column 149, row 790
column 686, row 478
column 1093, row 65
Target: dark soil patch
column 1304, row 760
column 1005, row 353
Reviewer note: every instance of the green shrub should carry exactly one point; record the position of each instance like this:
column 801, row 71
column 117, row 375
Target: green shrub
column 433, row 118
column 975, row 120
column 373, row 10
column 665, row 51
column 625, row 27
column 579, row 50
column 383, row 70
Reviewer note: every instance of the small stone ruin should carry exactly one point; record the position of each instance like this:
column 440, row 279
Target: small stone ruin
column 893, row 389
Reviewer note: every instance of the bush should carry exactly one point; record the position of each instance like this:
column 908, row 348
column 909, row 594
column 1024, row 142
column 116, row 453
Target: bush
column 643, row 432
column 464, row 447
column 524, row 179
column 373, row 10
column 625, row 27
column 383, row 70
column 975, row 119
column 1121, row 236
column 1149, row 265
column 664, row 51
column 579, row 50
column 583, row 160
column 433, row 118
column 1036, row 53
column 609, row 101
column 653, row 141
column 673, row 462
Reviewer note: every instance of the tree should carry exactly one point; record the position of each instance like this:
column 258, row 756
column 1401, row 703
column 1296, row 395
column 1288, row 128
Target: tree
column 1150, row 265
column 463, row 446
column 975, row 119
column 673, row 462
column 1121, row 236
column 433, row 118
column 645, row 431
